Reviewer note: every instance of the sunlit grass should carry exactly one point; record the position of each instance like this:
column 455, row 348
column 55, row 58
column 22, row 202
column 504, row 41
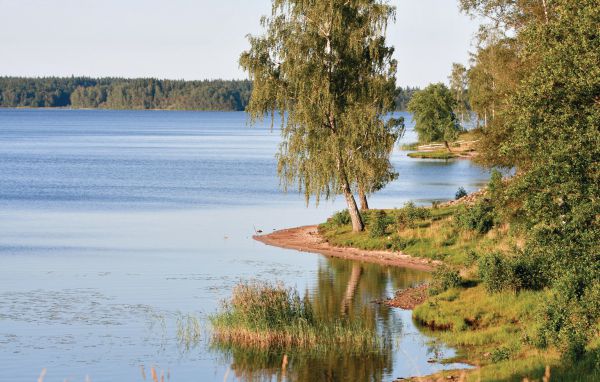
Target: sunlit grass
column 496, row 332
column 434, row 154
column 265, row 315
column 435, row 237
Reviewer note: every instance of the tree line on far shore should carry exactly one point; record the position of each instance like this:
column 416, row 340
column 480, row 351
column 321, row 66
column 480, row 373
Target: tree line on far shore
column 139, row 93
column 119, row 93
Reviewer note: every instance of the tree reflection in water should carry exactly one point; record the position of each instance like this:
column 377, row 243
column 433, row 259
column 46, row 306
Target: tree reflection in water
column 343, row 289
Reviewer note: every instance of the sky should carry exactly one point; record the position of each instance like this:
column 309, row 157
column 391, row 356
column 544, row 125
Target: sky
column 197, row 39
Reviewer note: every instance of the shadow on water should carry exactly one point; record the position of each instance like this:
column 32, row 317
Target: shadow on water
column 342, row 289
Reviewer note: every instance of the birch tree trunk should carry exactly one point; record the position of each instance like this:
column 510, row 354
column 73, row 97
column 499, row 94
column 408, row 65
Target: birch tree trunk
column 364, row 203
column 357, row 223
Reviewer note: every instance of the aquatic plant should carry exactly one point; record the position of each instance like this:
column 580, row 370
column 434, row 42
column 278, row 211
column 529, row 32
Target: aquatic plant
column 189, row 330
column 270, row 315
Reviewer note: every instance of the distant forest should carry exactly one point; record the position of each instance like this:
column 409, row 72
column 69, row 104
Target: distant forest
column 143, row 93
column 403, row 96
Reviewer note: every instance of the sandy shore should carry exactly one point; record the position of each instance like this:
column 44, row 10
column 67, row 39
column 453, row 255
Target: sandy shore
column 308, row 239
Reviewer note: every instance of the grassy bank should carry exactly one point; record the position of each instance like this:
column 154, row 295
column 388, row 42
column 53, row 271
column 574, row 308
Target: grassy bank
column 497, row 332
column 433, row 154
column 463, row 147
column 485, row 300
column 417, row 231
column 271, row 316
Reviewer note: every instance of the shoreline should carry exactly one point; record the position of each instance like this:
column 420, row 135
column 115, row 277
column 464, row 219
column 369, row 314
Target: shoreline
column 308, row 239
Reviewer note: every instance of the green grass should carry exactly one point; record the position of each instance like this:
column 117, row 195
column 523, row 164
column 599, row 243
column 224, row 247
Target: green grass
column 435, row 237
column 409, row 146
column 496, row 332
column 436, row 154
column 267, row 316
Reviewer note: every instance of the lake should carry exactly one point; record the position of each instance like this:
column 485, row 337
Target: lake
column 115, row 226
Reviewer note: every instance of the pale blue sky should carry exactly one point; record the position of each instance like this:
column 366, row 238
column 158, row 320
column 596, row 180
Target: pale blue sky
column 196, row 39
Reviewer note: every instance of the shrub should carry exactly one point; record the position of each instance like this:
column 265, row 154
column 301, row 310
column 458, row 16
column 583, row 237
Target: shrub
column 341, row 218
column 494, row 272
column 461, row 193
column 499, row 273
column 379, row 225
column 570, row 317
column 472, row 257
column 500, row 354
column 495, row 186
column 399, row 243
column 444, row 278
column 479, row 217
column 408, row 215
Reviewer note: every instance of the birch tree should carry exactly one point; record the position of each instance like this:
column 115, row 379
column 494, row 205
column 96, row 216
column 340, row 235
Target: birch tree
column 458, row 87
column 325, row 68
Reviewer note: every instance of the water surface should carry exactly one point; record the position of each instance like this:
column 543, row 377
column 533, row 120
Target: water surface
column 114, row 224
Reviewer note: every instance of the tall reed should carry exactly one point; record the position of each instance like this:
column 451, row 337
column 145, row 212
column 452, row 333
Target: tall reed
column 267, row 315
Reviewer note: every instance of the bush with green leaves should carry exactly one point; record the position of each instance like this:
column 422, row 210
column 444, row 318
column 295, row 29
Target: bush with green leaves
column 460, row 193
column 495, row 185
column 444, row 278
column 572, row 314
column 341, row 218
column 397, row 243
column 408, row 215
column 500, row 354
column 379, row 224
column 471, row 257
column 499, row 272
column 480, row 217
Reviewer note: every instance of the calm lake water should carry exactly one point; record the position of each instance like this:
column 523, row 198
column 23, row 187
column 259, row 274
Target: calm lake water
column 116, row 224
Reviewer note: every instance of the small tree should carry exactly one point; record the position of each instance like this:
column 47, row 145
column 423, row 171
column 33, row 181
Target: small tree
column 325, row 68
column 433, row 112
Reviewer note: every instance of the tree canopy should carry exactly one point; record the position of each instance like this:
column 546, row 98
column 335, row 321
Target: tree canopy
column 325, row 68
column 433, row 112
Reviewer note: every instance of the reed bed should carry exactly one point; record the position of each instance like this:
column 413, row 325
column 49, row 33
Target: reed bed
column 265, row 315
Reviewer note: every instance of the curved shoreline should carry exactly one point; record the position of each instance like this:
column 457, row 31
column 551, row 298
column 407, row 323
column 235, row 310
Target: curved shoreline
column 308, row 239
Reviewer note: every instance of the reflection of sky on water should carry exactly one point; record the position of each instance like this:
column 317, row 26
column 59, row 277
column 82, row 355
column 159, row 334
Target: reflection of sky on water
column 113, row 222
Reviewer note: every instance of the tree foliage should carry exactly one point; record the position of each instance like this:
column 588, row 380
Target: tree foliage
column 433, row 112
column 458, row 86
column 403, row 97
column 547, row 126
column 325, row 68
